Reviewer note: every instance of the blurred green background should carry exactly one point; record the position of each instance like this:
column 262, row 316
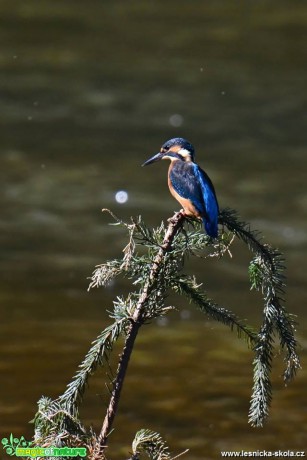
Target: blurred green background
column 88, row 91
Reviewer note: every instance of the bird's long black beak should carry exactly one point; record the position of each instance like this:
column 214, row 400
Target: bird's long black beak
column 153, row 159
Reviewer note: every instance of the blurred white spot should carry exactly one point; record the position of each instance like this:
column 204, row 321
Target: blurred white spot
column 223, row 93
column 289, row 232
column 185, row 314
column 15, row 57
column 35, row 103
column 121, row 196
column 162, row 321
column 30, row 118
column 43, row 166
column 201, row 69
column 176, row 120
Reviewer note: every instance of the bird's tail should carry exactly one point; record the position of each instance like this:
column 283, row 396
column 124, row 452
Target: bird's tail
column 210, row 227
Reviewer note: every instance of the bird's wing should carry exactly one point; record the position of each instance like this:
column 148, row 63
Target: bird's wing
column 208, row 192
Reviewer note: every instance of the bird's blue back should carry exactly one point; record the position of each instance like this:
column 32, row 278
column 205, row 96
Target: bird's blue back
column 192, row 183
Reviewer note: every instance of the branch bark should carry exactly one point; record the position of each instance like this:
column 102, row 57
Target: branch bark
column 174, row 224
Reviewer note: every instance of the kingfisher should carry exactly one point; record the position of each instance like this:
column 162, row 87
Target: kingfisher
column 189, row 184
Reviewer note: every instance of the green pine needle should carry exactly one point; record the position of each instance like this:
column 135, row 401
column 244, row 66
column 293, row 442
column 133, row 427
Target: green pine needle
column 152, row 444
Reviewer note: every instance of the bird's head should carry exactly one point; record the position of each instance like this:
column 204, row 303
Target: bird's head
column 174, row 149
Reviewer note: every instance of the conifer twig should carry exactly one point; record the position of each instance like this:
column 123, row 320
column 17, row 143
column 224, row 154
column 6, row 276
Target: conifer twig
column 156, row 271
column 137, row 319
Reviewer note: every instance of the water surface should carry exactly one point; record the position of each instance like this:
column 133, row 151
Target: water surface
column 89, row 90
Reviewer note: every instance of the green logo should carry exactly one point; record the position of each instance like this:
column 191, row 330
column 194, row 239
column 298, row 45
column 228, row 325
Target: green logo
column 10, row 445
column 21, row 448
